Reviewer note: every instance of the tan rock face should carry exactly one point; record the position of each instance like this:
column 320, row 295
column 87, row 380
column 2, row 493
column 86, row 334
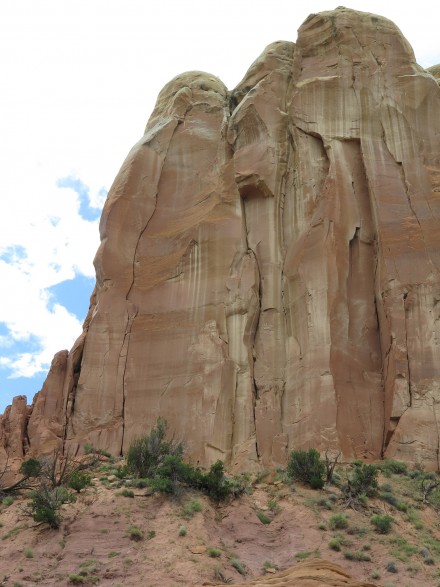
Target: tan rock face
column 312, row 573
column 268, row 275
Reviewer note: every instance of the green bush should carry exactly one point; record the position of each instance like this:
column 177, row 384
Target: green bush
column 238, row 566
column 392, row 500
column 307, row 467
column 382, row 523
column 364, row 480
column 148, row 453
column 190, row 508
column 135, row 533
column 396, row 467
column 391, row 567
column 214, row 552
column 30, row 468
column 46, row 502
column 214, row 483
column 263, row 518
column 357, row 555
column 338, row 522
column 77, row 579
column 389, row 498
column 78, row 480
column 121, row 472
column 361, row 484
column 159, row 462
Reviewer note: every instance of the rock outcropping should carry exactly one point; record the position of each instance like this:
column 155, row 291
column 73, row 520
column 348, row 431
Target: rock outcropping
column 269, row 268
column 312, row 573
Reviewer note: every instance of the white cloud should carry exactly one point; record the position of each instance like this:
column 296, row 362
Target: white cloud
column 43, row 243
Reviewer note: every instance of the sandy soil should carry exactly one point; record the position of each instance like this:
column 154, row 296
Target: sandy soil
column 94, row 542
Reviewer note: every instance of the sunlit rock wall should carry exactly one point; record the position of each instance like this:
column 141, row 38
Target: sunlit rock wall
column 268, row 275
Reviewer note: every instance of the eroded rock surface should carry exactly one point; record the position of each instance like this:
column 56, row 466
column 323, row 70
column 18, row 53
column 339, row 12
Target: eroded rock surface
column 311, row 573
column 268, row 275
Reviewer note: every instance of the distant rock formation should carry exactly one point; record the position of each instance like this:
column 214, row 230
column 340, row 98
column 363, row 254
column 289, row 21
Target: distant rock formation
column 269, row 268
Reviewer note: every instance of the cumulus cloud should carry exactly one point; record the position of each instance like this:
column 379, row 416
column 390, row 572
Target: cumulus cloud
column 42, row 244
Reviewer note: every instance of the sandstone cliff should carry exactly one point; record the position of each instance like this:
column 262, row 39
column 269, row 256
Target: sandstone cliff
column 268, row 275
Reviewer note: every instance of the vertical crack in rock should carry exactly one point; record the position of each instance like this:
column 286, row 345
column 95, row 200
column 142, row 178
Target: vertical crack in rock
column 406, row 309
column 124, row 354
column 259, row 137
column 69, row 409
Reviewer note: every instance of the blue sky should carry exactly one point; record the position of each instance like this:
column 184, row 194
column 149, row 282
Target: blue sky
column 73, row 294
column 23, row 358
column 79, row 80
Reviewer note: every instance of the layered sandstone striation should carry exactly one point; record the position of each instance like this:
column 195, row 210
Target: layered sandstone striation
column 311, row 573
column 268, row 275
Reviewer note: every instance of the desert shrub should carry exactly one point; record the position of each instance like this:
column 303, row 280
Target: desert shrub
column 356, row 555
column 219, row 574
column 214, row 552
column 160, row 462
column 190, row 508
column 429, row 487
column 364, row 480
column 330, row 465
column 147, row 454
column 338, row 521
column 414, row 518
column 402, row 548
column 396, row 467
column 335, row 544
column 57, row 468
column 126, row 492
column 79, row 480
column 140, row 483
column 427, row 557
column 389, row 498
column 182, row 530
column 394, row 501
column 135, row 533
column 113, row 553
column 360, row 485
column 238, row 566
column 121, row 472
column 391, row 567
column 273, row 505
column 324, row 503
column 214, row 483
column 303, row 554
column 30, row 468
column 382, row 523
column 356, row 531
column 46, row 502
column 77, row 579
column 7, row 501
column 28, row 552
column 263, row 518
column 307, row 467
